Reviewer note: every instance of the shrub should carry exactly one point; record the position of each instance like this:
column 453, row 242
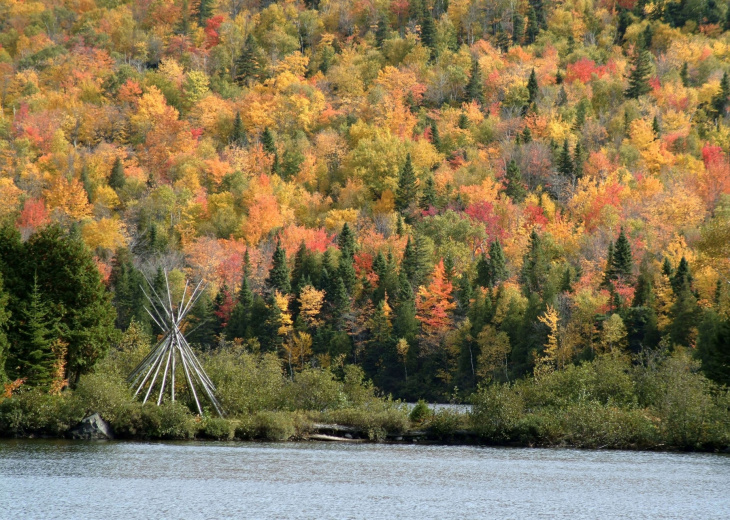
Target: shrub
column 33, row 412
column 496, row 412
column 219, row 428
column 103, row 394
column 420, row 412
column 316, row 389
column 444, row 423
column 273, row 426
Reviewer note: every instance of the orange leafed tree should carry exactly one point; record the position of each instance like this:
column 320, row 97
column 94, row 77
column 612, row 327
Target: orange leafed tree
column 434, row 305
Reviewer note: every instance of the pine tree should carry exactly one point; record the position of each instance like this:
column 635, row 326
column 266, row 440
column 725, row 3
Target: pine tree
column 622, row 262
column 526, row 135
column 117, row 178
column 532, row 87
column 239, row 325
column 406, row 192
column 565, row 162
column 515, row 189
column 681, row 276
column 624, row 21
column 639, row 76
column 656, row 128
column 463, row 122
column 346, row 272
column 428, row 198
column 475, row 86
column 248, row 63
column 279, row 278
column 32, row 357
column 497, row 263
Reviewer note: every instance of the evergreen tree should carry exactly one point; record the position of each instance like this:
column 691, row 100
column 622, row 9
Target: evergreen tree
column 129, row 300
column 656, row 128
column 428, row 32
column 685, row 315
column 578, row 160
column 526, row 135
column 340, row 303
column 463, row 122
column 518, row 28
column 406, row 192
column 720, row 101
column 639, row 76
column 117, row 179
column 609, row 274
column 713, row 348
column 239, row 325
column 205, row 11
column 484, row 271
column 532, row 87
column 238, row 134
column 622, row 262
column 475, row 86
column 279, row 278
column 346, row 241
column 624, row 21
column 681, row 277
column 684, row 72
column 565, row 162
column 647, row 36
column 381, row 33
column 428, row 198
column 267, row 141
column 4, row 322
column 415, row 261
column 346, row 272
column 32, row 356
column 535, row 266
column 435, row 136
column 248, row 63
column 533, row 27
column 497, row 263
column 515, row 189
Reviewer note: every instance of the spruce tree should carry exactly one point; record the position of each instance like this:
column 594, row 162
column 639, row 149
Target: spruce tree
column 518, row 28
column 381, row 33
column 684, row 72
column 532, row 87
column 279, row 278
column 681, row 276
column 406, row 192
column 32, row 356
column 267, row 141
column 565, row 162
column 205, row 11
column 578, row 160
column 622, row 262
column 656, row 128
column 248, row 62
column 428, row 32
column 475, row 86
column 515, row 189
column 484, row 271
column 533, row 26
column 117, row 179
column 4, row 319
column 415, row 261
column 346, row 241
column 346, row 272
column 720, row 101
column 428, row 198
column 435, row 136
column 497, row 263
column 238, row 134
column 639, row 75
column 624, row 21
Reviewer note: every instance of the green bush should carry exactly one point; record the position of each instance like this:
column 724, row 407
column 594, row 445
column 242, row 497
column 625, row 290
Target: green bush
column 171, row 421
column 317, row 390
column 274, row 426
column 33, row 412
column 219, row 428
column 103, row 394
column 376, row 421
column 444, row 423
column 420, row 412
column 496, row 412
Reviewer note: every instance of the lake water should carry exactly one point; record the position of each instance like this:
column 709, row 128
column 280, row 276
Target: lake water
column 191, row 480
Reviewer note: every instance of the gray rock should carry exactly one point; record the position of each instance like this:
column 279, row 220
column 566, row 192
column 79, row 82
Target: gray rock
column 92, row 427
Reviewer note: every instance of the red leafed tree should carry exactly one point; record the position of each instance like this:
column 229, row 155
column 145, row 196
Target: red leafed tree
column 33, row 216
column 225, row 307
column 716, row 180
column 433, row 308
column 483, row 211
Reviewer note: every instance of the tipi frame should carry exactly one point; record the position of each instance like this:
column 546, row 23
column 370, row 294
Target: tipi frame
column 172, row 350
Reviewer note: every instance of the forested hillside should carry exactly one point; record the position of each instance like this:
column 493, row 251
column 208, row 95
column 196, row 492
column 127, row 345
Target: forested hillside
column 445, row 193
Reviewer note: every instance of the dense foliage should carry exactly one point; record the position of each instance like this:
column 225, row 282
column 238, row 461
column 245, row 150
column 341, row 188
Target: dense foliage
column 445, row 194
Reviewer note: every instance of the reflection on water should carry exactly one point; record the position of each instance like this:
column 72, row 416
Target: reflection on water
column 74, row 480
